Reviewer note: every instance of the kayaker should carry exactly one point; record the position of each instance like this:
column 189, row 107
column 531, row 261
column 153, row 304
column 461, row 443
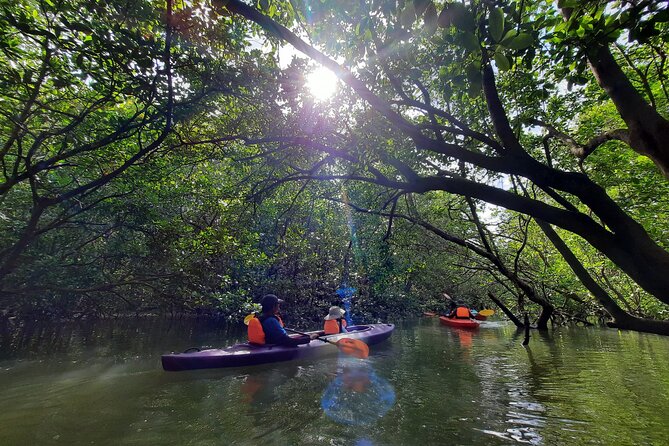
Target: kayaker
column 334, row 322
column 451, row 307
column 461, row 311
column 273, row 326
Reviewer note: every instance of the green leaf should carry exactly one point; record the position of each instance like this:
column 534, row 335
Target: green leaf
column 446, row 16
column 430, row 18
column 473, row 73
column 474, row 89
column 502, row 62
column 508, row 36
column 470, row 41
column 496, row 24
column 456, row 14
column 474, row 78
column 464, row 20
column 520, row 42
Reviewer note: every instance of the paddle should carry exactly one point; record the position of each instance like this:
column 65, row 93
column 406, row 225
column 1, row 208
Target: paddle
column 352, row 347
column 487, row 313
column 348, row 346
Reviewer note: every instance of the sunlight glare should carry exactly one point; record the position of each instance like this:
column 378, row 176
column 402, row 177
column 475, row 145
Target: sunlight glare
column 322, row 83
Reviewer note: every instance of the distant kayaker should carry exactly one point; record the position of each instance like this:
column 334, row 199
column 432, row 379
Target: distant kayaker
column 451, row 307
column 272, row 324
column 461, row 311
column 334, row 322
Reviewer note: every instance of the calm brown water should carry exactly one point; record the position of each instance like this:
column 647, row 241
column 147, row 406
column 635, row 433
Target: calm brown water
column 102, row 384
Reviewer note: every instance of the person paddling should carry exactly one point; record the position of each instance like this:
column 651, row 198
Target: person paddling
column 334, row 322
column 272, row 324
column 461, row 311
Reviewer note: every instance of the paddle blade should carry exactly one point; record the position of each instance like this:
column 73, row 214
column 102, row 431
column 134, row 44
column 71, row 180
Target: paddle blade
column 353, row 347
column 248, row 318
column 487, row 313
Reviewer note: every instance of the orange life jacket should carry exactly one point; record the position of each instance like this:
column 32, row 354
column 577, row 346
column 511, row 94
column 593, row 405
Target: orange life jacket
column 332, row 326
column 255, row 332
column 462, row 313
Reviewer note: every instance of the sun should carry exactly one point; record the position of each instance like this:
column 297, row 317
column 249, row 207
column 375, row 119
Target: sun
column 322, row 83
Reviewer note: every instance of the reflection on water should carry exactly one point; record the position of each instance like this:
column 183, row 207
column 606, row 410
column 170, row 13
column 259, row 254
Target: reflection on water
column 102, row 384
column 357, row 395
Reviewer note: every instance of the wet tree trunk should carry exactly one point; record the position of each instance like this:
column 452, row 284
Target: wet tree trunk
column 621, row 319
column 526, row 341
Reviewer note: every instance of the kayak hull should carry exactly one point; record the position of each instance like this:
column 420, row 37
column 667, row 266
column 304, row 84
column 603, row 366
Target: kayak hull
column 459, row 323
column 241, row 355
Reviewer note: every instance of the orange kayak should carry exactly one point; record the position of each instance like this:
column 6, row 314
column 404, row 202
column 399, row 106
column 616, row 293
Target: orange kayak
column 460, row 323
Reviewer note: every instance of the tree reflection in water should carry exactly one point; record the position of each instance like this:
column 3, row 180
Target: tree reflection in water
column 357, row 395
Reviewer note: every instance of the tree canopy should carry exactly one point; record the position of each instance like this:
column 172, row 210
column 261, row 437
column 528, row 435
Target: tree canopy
column 170, row 156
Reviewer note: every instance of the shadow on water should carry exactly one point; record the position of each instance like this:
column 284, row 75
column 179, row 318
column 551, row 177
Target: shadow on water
column 357, row 395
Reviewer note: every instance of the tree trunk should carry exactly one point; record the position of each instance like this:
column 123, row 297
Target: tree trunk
column 526, row 320
column 640, row 324
column 11, row 257
column 648, row 130
column 545, row 316
column 621, row 319
column 506, row 310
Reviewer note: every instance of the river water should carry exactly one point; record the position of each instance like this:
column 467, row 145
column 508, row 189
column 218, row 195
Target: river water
column 102, row 384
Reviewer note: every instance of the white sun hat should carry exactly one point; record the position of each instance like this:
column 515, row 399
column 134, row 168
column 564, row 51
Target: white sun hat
column 334, row 313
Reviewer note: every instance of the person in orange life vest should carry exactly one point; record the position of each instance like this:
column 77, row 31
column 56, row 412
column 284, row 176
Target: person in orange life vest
column 333, row 321
column 273, row 326
column 461, row 311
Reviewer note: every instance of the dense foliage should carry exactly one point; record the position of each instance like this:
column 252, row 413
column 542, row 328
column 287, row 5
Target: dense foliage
column 166, row 157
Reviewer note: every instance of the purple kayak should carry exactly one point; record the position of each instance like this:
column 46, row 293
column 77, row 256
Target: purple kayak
column 240, row 355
